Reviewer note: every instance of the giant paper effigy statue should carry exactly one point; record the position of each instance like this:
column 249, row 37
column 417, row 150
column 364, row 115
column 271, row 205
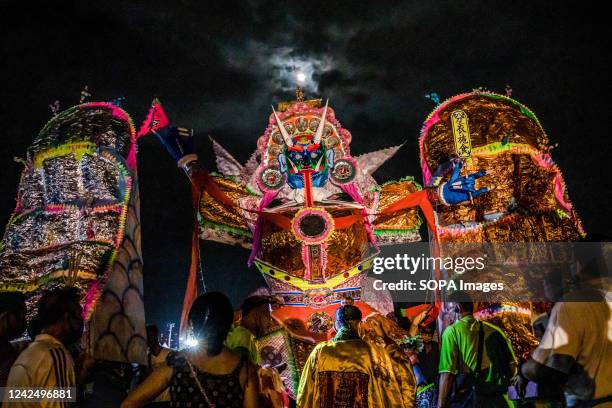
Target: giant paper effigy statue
column 77, row 222
column 505, row 142
column 310, row 212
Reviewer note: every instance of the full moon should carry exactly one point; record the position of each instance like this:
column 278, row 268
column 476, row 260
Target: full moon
column 301, row 77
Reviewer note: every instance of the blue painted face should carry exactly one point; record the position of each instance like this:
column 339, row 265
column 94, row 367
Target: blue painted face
column 300, row 157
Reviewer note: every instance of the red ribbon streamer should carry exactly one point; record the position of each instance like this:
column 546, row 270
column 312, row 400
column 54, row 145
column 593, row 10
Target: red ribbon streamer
column 191, row 291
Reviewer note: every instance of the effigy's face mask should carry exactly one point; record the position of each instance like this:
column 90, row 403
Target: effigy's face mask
column 298, row 152
column 306, row 157
column 76, row 220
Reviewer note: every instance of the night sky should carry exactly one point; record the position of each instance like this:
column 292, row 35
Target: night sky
column 218, row 66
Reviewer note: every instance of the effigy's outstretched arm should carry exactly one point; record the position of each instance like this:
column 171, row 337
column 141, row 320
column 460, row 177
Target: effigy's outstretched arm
column 215, row 198
column 457, row 189
column 210, row 194
column 179, row 144
column 177, row 141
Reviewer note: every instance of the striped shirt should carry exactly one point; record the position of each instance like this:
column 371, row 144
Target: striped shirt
column 45, row 363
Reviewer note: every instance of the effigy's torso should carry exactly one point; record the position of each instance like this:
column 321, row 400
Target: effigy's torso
column 77, row 223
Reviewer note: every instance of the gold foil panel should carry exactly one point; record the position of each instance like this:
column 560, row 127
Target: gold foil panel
column 101, row 178
column 301, row 351
column 214, row 212
column 345, row 247
column 491, row 120
column 407, row 219
column 31, row 189
column 536, row 189
column 544, row 227
column 61, row 179
column 515, row 180
column 282, row 249
column 93, row 123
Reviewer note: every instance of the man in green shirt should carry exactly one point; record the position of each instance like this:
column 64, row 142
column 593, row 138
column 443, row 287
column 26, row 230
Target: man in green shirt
column 459, row 355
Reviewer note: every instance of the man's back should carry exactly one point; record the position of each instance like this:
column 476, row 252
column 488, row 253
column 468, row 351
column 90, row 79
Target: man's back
column 336, row 370
column 582, row 331
column 349, row 373
column 44, row 363
column 459, row 350
column 459, row 355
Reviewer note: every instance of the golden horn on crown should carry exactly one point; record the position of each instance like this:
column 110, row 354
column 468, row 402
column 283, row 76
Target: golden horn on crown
column 319, row 134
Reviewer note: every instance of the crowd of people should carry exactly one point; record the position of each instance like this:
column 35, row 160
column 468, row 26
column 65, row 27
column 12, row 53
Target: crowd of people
column 476, row 363
column 471, row 364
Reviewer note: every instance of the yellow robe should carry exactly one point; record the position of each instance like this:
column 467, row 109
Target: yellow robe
column 352, row 374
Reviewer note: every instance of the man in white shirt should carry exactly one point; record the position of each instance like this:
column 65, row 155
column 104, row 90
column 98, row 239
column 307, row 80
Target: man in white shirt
column 576, row 348
column 47, row 363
